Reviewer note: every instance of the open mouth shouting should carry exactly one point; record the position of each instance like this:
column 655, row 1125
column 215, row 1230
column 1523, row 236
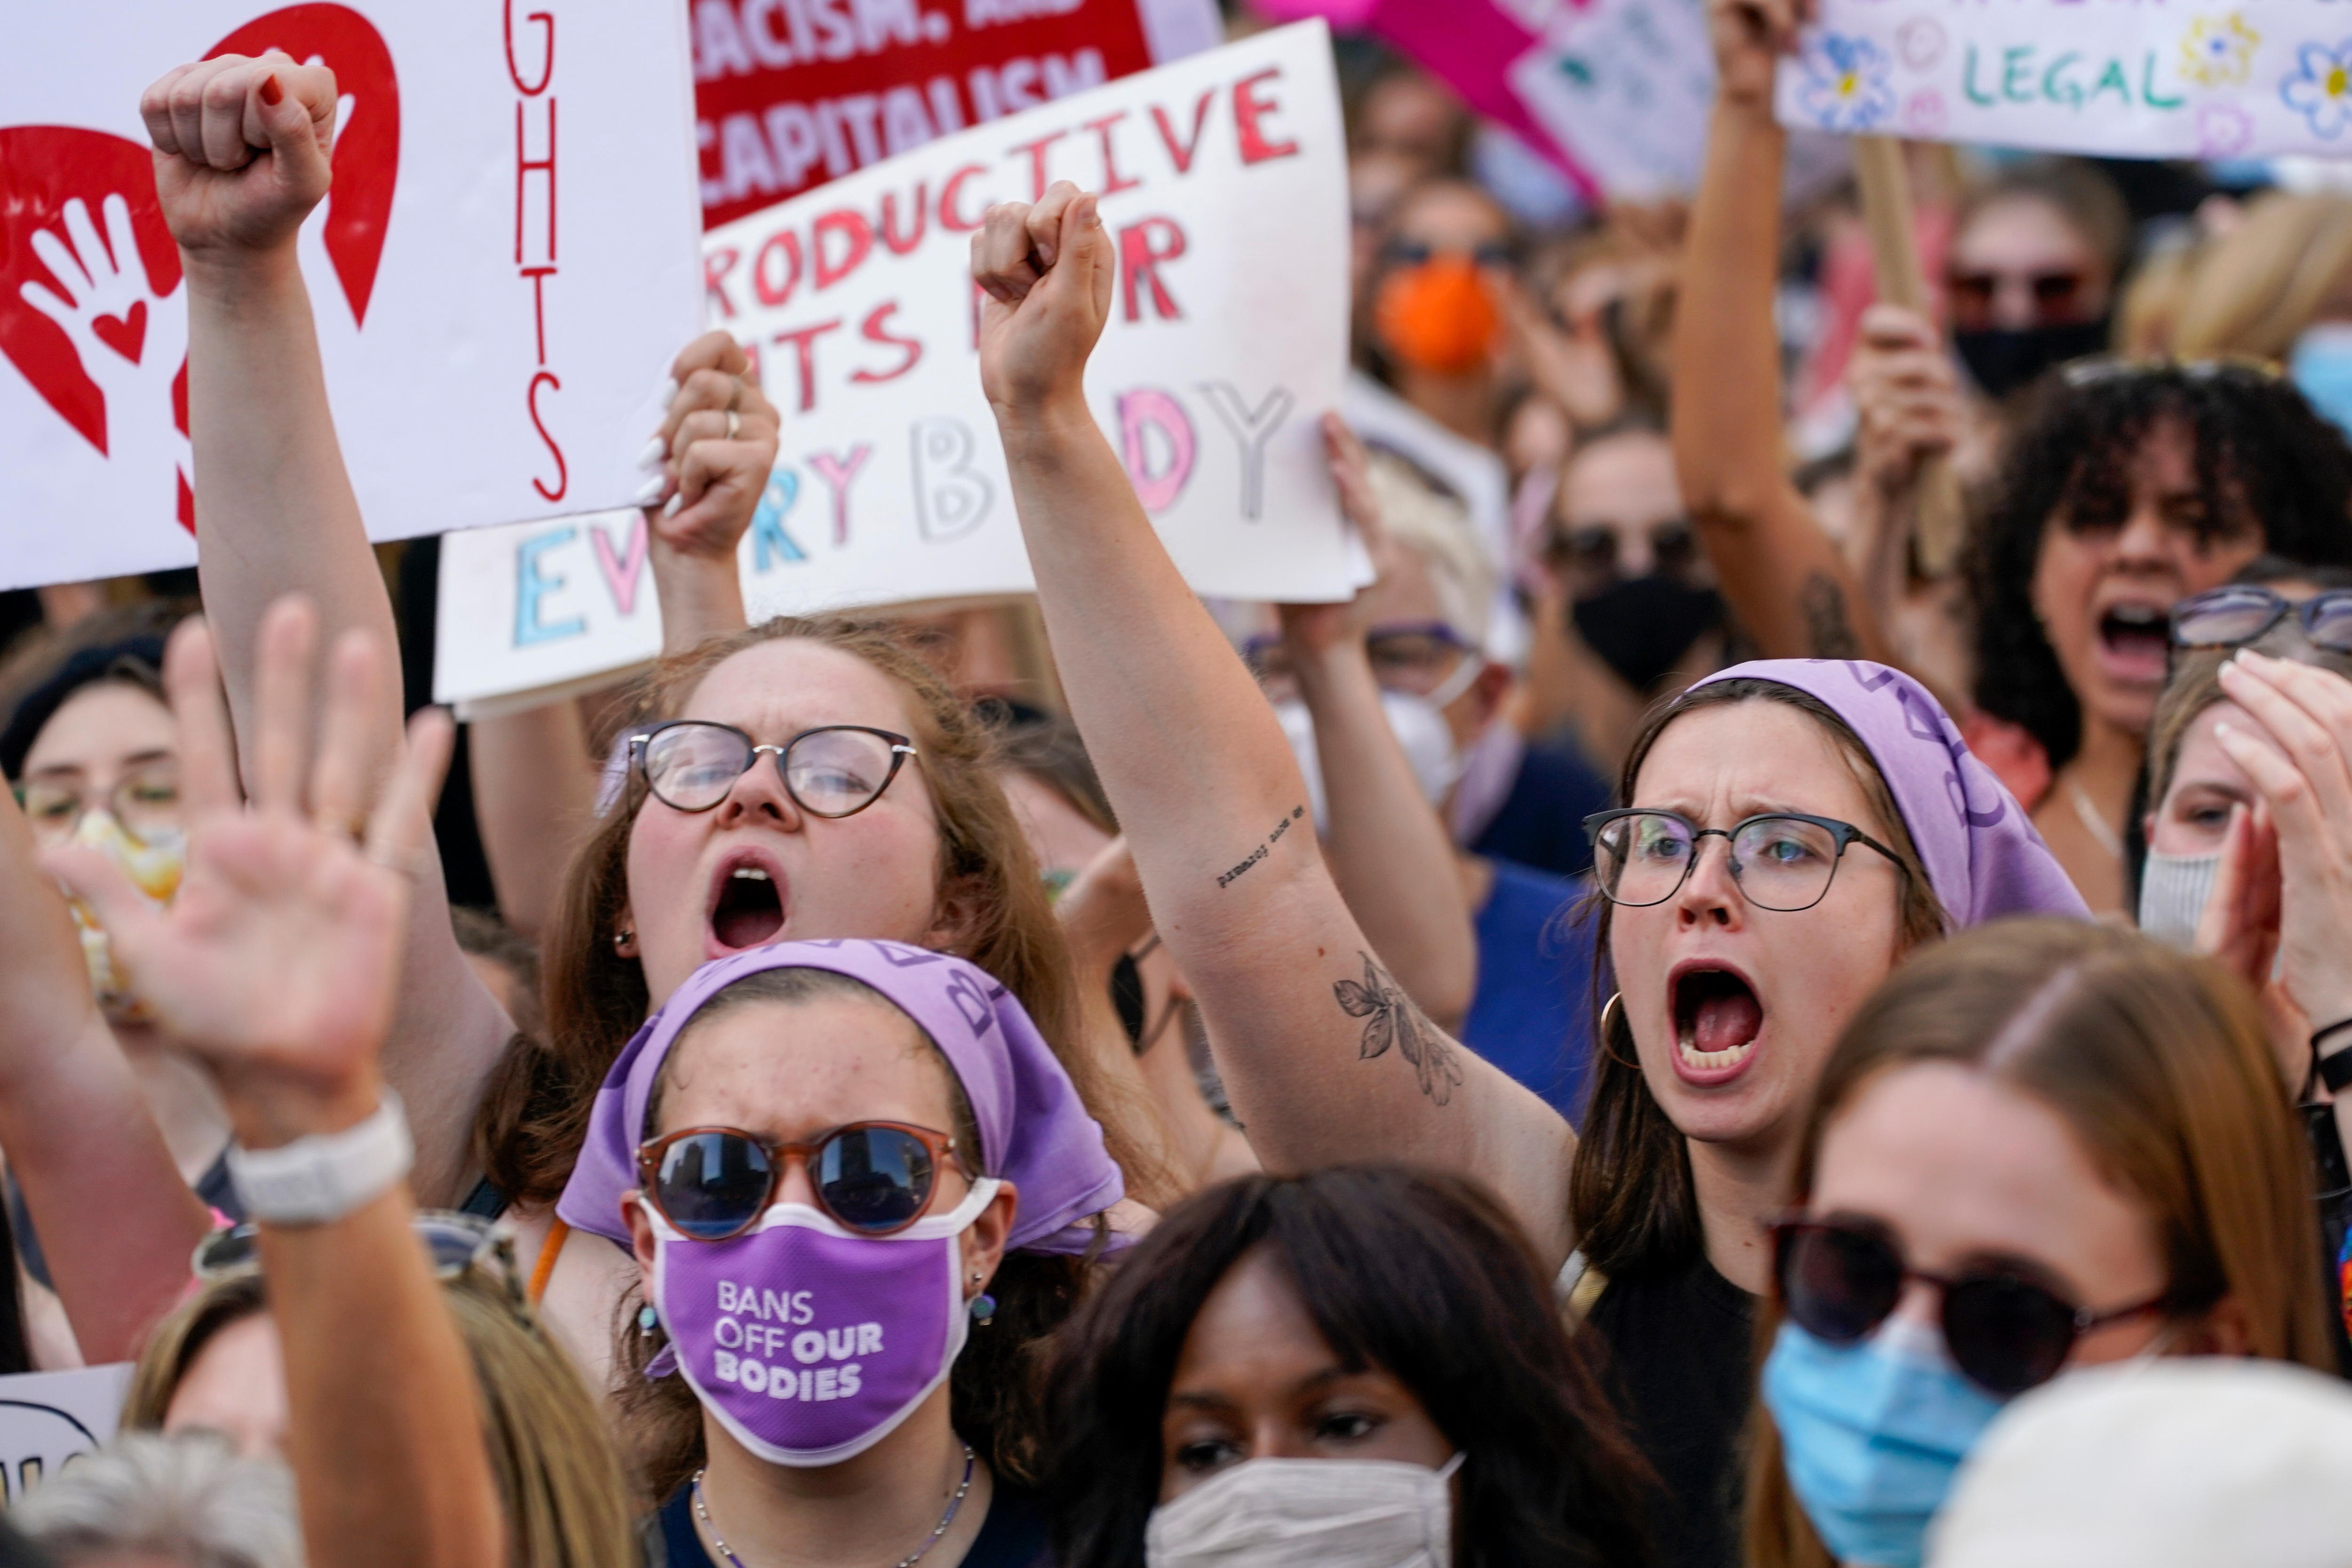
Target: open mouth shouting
column 747, row 903
column 2133, row 638
column 1717, row 1016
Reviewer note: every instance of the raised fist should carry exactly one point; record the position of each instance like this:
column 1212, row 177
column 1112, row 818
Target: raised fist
column 1047, row 270
column 241, row 149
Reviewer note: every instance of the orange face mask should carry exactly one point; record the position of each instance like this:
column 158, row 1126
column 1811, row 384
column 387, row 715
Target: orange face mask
column 1437, row 315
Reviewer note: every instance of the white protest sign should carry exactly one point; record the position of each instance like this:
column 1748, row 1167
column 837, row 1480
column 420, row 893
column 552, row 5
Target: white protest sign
column 500, row 276
column 1624, row 86
column 47, row 1418
column 1223, row 186
column 2132, row 78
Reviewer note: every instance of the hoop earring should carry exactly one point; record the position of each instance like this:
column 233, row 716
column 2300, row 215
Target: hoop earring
column 1613, row 1012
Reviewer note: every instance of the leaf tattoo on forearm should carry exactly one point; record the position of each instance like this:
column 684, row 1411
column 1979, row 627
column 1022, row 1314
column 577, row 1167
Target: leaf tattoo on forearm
column 1390, row 1020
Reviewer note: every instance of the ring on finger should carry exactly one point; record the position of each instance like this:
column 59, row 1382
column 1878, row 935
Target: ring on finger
column 403, row 864
column 734, row 423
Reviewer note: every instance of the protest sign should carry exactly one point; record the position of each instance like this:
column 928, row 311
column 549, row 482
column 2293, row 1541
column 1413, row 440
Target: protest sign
column 2122, row 80
column 47, row 1418
column 481, row 371
column 791, row 93
column 1223, row 187
column 1623, row 86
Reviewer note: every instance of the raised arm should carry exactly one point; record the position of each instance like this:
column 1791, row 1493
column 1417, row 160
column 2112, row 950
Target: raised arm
column 1324, row 1056
column 1388, row 850
column 116, row 1220
column 1791, row 590
column 277, row 964
column 241, row 149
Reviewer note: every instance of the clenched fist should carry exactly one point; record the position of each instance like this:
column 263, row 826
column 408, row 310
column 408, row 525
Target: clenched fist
column 241, row 149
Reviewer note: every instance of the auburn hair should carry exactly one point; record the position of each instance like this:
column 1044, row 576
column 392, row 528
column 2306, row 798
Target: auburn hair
column 534, row 1113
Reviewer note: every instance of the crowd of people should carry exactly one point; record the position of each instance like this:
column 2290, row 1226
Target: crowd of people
column 1120, row 1079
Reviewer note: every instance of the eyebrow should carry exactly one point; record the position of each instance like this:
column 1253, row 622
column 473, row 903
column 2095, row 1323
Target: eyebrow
column 1312, row 1384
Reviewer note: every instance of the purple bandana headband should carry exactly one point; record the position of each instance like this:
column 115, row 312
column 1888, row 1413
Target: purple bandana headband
column 1983, row 857
column 1034, row 1130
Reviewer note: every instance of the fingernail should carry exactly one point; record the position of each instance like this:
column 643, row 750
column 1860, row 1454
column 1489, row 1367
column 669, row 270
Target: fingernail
column 668, row 393
column 650, row 491
column 656, row 451
column 270, row 91
column 1089, row 213
column 671, row 509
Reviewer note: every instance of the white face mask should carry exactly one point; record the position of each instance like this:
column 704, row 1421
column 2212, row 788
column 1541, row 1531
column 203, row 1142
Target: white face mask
column 2173, row 889
column 1418, row 724
column 1294, row 1513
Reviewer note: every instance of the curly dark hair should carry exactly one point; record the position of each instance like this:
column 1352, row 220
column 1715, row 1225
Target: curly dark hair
column 1419, row 1274
column 2261, row 451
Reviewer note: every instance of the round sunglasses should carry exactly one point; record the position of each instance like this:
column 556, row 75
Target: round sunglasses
column 876, row 1178
column 2006, row 1332
column 836, row 770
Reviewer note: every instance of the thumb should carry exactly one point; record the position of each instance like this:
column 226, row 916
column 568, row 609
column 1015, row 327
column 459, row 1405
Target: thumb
column 1086, row 249
column 290, row 110
column 94, row 877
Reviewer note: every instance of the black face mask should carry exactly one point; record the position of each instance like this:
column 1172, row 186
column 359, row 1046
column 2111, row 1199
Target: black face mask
column 2001, row 359
column 1642, row 626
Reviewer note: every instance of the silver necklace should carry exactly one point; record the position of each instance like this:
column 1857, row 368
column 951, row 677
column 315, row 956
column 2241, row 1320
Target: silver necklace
column 702, row 1512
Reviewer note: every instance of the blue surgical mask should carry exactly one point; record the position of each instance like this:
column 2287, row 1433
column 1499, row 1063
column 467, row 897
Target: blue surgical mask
column 2320, row 365
column 1872, row 1435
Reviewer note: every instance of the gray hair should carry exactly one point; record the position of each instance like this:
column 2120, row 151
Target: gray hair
column 188, row 1499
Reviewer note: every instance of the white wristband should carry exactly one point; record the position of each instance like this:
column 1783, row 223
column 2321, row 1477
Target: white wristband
column 326, row 1176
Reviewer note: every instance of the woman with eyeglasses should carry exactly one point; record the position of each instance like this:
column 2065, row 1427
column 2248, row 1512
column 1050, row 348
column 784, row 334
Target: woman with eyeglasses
column 1359, row 1367
column 793, row 780
column 2046, row 1144
column 859, row 1189
column 1798, row 828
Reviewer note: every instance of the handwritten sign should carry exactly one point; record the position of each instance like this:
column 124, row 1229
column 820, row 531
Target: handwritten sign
column 50, row 1418
column 1624, row 87
column 1223, row 187
column 500, row 274
column 791, row 93
column 2124, row 80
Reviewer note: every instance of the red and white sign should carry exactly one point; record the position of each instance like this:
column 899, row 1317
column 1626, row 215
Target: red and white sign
column 1223, row 183
column 500, row 274
column 791, row 93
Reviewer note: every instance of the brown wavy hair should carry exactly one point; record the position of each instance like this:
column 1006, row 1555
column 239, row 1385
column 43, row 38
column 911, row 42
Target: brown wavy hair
column 2159, row 1063
column 534, row 1112
column 1630, row 1193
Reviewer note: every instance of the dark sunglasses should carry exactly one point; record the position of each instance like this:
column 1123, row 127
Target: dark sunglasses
column 1838, row 1281
column 876, row 1178
column 2238, row 614
column 1594, row 547
column 1493, row 253
column 837, row 770
column 2055, row 294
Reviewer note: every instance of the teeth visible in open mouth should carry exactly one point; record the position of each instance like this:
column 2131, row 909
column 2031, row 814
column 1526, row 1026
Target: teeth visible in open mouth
column 2138, row 616
column 749, row 874
column 1692, row 1057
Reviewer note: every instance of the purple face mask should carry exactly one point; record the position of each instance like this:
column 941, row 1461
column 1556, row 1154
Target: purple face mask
column 809, row 1342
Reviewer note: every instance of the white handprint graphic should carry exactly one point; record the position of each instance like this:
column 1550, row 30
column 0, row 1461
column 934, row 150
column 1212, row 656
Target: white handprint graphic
column 130, row 342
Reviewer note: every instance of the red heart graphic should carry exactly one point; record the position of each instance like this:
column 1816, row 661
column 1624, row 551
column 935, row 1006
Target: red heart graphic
column 123, row 334
column 43, row 167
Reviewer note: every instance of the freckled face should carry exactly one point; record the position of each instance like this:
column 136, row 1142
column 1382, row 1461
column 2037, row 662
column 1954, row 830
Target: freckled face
column 875, row 874
column 1734, row 1008
column 1257, row 1381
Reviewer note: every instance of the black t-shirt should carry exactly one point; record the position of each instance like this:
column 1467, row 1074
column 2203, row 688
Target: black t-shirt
column 1014, row 1536
column 1680, row 1366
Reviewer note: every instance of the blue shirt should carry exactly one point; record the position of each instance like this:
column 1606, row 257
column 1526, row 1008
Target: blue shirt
column 1532, row 1015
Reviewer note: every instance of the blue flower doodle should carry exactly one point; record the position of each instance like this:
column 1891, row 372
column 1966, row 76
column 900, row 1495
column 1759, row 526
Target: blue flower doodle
column 2320, row 89
column 1846, row 87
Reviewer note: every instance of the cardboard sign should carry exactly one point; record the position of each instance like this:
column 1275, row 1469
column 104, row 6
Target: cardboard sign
column 49, row 1418
column 500, row 276
column 1223, row 189
column 2122, row 80
column 791, row 93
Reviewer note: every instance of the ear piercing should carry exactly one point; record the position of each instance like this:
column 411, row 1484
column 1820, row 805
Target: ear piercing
column 621, row 940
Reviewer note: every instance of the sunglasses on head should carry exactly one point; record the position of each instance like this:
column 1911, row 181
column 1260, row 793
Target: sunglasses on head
column 2241, row 613
column 1840, row 1279
column 876, row 1178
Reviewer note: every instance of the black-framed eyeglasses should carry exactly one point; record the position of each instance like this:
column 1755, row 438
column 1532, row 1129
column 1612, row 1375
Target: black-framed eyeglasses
column 2238, row 613
column 1783, row 861
column 2006, row 1331
column 837, row 770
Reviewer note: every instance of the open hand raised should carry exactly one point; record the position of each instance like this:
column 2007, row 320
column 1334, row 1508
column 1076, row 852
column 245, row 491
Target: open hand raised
column 278, row 960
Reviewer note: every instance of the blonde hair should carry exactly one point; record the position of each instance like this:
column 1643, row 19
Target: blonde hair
column 566, row 1499
column 2159, row 1063
column 1435, row 527
column 2257, row 287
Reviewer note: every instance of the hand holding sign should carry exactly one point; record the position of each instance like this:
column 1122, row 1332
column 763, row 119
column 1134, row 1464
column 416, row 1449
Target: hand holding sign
column 1048, row 271
column 1749, row 36
column 278, row 961
column 241, row 149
